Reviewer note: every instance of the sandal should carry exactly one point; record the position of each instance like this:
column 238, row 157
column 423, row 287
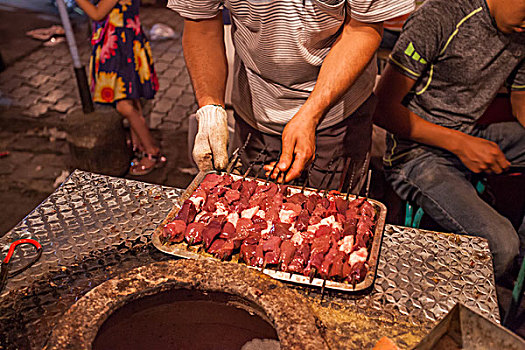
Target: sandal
column 45, row 34
column 136, row 157
column 136, row 154
column 138, row 169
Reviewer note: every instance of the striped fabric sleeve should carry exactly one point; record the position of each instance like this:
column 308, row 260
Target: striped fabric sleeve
column 196, row 9
column 371, row 11
column 516, row 81
column 419, row 42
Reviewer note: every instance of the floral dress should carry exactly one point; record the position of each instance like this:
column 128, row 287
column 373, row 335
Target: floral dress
column 121, row 64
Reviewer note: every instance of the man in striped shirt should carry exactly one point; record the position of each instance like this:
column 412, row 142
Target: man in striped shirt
column 304, row 73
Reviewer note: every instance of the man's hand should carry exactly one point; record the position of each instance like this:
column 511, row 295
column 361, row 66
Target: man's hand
column 347, row 59
column 480, row 155
column 298, row 148
column 212, row 138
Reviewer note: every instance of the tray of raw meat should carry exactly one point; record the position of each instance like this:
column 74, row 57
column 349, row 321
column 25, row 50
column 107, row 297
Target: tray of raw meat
column 298, row 235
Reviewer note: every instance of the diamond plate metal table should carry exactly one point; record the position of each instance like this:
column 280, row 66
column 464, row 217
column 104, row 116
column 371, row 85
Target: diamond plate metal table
column 94, row 227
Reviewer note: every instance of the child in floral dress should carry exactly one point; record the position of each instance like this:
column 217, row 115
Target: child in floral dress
column 121, row 70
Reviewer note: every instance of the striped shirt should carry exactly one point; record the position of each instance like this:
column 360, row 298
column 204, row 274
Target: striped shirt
column 279, row 49
column 396, row 24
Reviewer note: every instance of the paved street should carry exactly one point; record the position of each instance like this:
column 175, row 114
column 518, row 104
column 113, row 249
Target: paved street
column 38, row 91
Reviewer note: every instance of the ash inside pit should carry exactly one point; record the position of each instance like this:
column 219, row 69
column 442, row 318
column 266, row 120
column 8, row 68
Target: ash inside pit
column 187, row 319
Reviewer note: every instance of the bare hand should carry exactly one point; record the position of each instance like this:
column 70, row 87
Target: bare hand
column 480, row 155
column 277, row 175
column 298, row 148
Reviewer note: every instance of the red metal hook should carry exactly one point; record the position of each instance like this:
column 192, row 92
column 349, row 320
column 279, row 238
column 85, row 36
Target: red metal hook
column 13, row 246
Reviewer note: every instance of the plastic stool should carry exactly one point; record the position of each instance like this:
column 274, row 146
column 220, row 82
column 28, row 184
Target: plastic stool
column 409, row 210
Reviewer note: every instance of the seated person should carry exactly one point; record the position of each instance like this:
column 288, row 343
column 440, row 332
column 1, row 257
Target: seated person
column 392, row 29
column 447, row 66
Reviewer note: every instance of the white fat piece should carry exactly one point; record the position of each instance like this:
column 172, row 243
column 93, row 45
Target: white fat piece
column 233, row 218
column 221, row 210
column 250, row 212
column 329, row 221
column 297, row 238
column 358, row 256
column 200, row 215
column 346, row 244
column 287, row 216
column 266, row 231
column 197, row 201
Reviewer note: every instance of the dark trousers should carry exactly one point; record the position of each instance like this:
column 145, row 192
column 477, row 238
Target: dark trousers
column 2, row 63
column 342, row 151
column 439, row 183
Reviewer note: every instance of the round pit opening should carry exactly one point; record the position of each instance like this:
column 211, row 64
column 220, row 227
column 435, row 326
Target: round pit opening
column 187, row 319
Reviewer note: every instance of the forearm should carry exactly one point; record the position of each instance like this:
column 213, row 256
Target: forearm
column 391, row 115
column 517, row 100
column 205, row 55
column 98, row 12
column 409, row 125
column 477, row 154
column 347, row 59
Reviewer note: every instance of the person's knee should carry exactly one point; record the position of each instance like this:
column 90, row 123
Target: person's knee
column 121, row 108
column 505, row 249
column 124, row 107
column 510, row 245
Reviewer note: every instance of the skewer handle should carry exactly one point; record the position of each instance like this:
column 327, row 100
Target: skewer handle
column 368, row 183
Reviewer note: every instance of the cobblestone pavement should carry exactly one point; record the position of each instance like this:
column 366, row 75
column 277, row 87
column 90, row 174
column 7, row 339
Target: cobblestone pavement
column 38, row 91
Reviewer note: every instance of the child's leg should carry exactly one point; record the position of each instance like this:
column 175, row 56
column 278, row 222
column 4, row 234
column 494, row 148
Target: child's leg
column 135, row 141
column 152, row 159
column 139, row 129
column 137, row 145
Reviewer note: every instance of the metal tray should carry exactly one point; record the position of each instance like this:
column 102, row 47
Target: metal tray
column 182, row 249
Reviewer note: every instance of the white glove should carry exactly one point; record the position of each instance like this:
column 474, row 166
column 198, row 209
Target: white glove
column 212, row 138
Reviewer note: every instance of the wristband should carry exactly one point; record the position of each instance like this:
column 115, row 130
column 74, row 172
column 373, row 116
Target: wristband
column 216, row 105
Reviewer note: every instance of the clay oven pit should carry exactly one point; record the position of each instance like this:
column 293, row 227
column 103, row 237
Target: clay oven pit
column 185, row 319
column 188, row 304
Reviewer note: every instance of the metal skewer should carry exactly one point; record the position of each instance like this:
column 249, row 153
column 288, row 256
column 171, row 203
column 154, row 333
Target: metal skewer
column 273, row 169
column 329, row 166
column 254, row 162
column 325, row 192
column 322, row 290
column 363, row 169
column 369, row 177
column 305, row 183
column 237, row 154
column 344, row 173
column 310, row 168
column 261, row 167
column 230, row 162
column 332, row 175
column 351, row 182
column 312, row 273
